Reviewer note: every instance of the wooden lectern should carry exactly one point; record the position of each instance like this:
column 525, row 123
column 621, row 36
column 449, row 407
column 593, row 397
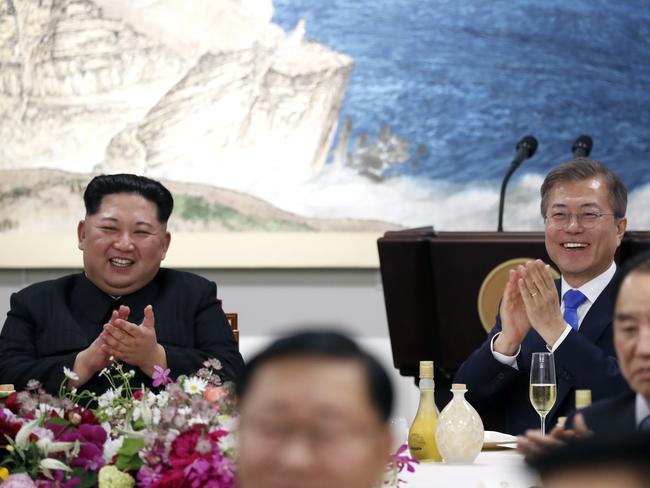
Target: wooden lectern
column 431, row 284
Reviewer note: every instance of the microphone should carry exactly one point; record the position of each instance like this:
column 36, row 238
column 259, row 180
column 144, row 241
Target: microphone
column 526, row 148
column 582, row 147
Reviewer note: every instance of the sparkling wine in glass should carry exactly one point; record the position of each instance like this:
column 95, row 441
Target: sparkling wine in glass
column 543, row 389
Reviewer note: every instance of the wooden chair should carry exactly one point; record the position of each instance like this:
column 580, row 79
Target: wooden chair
column 232, row 320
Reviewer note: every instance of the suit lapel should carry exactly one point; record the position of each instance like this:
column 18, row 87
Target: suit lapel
column 599, row 315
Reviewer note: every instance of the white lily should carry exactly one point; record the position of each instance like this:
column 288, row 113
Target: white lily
column 49, row 463
column 47, row 446
column 22, row 437
column 145, row 411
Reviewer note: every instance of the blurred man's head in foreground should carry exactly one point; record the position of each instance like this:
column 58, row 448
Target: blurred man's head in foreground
column 314, row 411
column 597, row 462
column 632, row 324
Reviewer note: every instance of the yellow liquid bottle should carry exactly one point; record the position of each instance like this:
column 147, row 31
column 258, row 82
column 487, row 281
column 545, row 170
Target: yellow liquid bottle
column 583, row 399
column 422, row 434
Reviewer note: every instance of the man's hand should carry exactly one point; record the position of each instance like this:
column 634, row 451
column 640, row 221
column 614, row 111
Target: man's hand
column 539, row 294
column 94, row 358
column 134, row 344
column 533, row 443
column 88, row 362
column 514, row 321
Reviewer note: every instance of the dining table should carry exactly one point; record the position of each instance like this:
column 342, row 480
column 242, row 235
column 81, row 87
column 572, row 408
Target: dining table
column 503, row 468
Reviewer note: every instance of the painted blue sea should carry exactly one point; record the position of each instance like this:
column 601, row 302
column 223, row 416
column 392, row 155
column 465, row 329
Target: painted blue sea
column 464, row 80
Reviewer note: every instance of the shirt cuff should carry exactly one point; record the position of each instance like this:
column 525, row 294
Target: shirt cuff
column 502, row 358
column 554, row 347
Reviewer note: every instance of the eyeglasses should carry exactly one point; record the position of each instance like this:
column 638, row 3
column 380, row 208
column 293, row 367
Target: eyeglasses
column 561, row 220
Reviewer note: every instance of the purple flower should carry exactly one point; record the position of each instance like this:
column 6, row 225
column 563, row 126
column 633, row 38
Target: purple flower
column 59, row 481
column 92, row 438
column 197, row 472
column 147, row 476
column 160, row 376
column 404, row 461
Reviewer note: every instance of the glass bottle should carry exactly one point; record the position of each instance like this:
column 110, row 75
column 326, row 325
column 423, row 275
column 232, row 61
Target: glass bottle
column 422, row 434
column 583, row 399
column 460, row 429
column 6, row 390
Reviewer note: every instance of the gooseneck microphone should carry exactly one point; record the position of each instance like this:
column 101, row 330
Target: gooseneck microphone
column 525, row 149
column 582, row 147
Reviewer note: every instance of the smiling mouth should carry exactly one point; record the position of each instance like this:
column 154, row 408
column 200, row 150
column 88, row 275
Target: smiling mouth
column 575, row 245
column 121, row 262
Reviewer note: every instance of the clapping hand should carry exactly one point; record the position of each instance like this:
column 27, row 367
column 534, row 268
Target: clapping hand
column 514, row 320
column 533, row 443
column 539, row 294
column 132, row 343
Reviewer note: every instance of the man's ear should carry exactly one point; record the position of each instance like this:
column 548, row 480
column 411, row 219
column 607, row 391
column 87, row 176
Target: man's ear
column 81, row 234
column 166, row 241
column 621, row 225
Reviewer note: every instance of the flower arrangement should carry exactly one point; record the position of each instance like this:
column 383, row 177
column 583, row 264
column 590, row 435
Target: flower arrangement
column 181, row 436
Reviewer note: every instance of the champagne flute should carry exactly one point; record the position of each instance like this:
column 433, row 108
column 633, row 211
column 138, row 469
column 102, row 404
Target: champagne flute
column 543, row 389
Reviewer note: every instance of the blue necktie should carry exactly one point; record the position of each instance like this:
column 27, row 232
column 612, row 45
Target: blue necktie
column 644, row 426
column 572, row 300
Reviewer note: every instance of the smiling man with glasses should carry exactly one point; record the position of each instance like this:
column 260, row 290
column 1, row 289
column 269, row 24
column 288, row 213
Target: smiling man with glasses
column 583, row 206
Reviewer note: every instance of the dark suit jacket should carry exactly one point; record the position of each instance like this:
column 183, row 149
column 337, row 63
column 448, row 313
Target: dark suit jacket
column 612, row 416
column 585, row 359
column 50, row 322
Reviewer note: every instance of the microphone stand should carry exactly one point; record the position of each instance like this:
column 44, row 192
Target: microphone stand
column 511, row 170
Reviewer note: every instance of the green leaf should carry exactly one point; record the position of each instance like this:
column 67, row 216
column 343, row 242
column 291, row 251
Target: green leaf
column 88, row 478
column 128, row 458
column 58, row 421
column 131, row 446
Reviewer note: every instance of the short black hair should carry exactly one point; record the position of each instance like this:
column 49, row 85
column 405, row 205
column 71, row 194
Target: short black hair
column 581, row 169
column 152, row 190
column 639, row 263
column 630, row 451
column 329, row 345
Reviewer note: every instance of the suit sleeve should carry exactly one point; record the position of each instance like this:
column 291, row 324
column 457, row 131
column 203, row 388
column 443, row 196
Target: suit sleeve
column 484, row 376
column 19, row 360
column 213, row 338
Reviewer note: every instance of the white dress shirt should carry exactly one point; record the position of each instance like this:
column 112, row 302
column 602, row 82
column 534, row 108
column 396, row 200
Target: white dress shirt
column 592, row 289
column 641, row 409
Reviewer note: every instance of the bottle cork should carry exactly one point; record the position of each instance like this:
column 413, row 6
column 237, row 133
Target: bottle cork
column 426, row 369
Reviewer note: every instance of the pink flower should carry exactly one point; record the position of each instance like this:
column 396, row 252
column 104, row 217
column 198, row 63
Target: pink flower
column 214, row 393
column 160, row 376
column 18, row 481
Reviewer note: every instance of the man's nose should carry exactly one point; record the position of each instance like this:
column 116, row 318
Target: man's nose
column 297, row 454
column 124, row 241
column 643, row 345
column 574, row 224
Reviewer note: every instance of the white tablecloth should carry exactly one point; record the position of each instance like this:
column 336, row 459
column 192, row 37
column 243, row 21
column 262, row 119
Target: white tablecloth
column 492, row 469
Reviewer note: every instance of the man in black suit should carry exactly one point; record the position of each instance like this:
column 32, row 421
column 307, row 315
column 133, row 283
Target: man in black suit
column 629, row 411
column 583, row 206
column 122, row 307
